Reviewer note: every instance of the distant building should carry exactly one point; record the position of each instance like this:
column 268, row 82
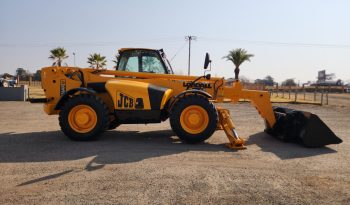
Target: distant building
column 324, row 79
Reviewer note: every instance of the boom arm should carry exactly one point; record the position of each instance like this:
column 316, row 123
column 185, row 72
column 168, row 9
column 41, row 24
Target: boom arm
column 259, row 99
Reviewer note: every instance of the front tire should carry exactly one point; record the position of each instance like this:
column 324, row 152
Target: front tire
column 113, row 124
column 83, row 117
column 193, row 119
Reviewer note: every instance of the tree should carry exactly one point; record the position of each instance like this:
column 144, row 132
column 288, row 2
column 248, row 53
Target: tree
column 97, row 61
column 20, row 72
column 58, row 55
column 259, row 81
column 339, row 82
column 116, row 60
column 23, row 74
column 289, row 82
column 237, row 57
column 37, row 75
column 6, row 75
column 268, row 80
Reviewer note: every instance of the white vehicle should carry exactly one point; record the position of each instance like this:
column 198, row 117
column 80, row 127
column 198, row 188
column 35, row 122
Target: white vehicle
column 5, row 82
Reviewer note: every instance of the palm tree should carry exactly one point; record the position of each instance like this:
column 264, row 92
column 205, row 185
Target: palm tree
column 238, row 56
column 116, row 60
column 58, row 55
column 97, row 61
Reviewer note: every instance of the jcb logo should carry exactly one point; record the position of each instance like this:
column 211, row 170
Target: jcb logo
column 125, row 101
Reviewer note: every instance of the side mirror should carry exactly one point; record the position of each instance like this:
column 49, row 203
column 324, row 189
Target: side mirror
column 206, row 61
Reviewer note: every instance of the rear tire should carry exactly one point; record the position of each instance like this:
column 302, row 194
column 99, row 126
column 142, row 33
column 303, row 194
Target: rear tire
column 193, row 119
column 83, row 117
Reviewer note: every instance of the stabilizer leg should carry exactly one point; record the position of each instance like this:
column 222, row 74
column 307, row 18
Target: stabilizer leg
column 227, row 125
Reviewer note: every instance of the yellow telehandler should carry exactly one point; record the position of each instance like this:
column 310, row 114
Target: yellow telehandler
column 143, row 89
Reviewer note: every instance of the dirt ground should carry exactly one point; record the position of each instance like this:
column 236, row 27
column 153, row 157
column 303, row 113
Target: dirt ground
column 147, row 164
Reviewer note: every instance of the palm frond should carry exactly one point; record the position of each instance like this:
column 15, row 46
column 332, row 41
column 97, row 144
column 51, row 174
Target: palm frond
column 58, row 54
column 238, row 56
column 97, row 61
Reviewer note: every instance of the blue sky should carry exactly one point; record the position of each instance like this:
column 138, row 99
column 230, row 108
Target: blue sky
column 290, row 39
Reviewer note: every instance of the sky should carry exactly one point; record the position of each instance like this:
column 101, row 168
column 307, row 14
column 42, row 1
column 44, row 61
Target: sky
column 289, row 38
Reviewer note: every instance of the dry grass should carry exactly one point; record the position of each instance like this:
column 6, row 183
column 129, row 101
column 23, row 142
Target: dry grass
column 36, row 92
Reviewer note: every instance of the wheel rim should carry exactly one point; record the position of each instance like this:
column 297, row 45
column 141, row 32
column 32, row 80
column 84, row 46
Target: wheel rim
column 194, row 119
column 82, row 118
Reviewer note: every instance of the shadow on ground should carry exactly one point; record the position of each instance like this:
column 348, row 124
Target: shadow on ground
column 115, row 147
column 285, row 150
column 112, row 147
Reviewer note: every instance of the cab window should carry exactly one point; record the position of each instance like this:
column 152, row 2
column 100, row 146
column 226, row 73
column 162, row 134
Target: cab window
column 141, row 61
column 129, row 61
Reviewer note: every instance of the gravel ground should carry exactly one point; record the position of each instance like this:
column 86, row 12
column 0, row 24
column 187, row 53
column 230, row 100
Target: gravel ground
column 147, row 164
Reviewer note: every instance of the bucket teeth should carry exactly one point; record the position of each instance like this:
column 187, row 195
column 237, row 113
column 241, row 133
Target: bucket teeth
column 302, row 127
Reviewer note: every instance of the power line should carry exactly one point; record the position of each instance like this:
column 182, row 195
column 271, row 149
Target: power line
column 91, row 44
column 178, row 51
column 277, row 43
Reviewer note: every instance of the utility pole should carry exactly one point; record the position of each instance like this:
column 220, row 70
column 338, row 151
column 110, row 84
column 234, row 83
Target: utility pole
column 189, row 39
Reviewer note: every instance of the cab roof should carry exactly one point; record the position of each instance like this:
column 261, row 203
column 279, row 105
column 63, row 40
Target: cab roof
column 129, row 49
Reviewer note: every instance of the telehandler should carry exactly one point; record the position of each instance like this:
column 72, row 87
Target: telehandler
column 143, row 89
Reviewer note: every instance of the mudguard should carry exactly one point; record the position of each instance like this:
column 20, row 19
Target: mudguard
column 66, row 95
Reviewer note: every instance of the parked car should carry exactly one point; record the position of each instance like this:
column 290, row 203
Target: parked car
column 5, row 82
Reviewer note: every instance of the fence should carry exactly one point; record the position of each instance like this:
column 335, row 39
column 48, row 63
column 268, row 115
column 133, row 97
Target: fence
column 29, row 83
column 315, row 94
column 331, row 89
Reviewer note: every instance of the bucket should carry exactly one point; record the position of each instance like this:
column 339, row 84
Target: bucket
column 302, row 127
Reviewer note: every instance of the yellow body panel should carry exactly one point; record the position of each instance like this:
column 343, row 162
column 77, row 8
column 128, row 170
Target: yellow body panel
column 125, row 92
column 49, row 108
column 55, row 83
column 135, row 84
column 174, row 82
column 166, row 97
